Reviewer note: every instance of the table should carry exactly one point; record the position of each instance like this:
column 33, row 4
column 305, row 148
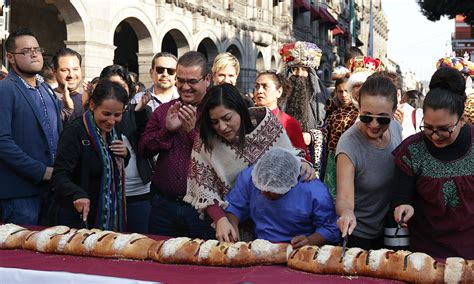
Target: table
column 153, row 271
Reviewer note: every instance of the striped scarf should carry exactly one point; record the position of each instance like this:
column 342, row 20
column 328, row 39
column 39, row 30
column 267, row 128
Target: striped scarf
column 111, row 210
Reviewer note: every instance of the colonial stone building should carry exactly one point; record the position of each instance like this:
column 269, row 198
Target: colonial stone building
column 130, row 32
column 380, row 27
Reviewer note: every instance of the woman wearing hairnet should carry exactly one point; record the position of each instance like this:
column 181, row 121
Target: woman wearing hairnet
column 282, row 208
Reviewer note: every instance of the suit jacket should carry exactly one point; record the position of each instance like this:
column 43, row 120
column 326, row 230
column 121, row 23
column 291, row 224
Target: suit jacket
column 24, row 150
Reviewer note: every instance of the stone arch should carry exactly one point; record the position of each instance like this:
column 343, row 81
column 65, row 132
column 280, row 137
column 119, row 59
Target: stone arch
column 142, row 25
column 76, row 19
column 273, row 63
column 209, row 35
column 235, row 47
column 175, row 32
column 234, row 50
column 134, row 45
column 208, row 48
column 49, row 26
column 260, row 62
column 175, row 42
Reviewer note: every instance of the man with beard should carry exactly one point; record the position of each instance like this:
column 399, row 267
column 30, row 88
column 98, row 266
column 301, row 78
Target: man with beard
column 29, row 131
column 308, row 100
column 67, row 69
column 163, row 75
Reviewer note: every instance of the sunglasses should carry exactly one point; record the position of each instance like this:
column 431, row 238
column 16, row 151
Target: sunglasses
column 161, row 70
column 382, row 120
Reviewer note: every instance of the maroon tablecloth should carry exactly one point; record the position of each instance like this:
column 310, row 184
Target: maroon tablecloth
column 169, row 273
column 153, row 271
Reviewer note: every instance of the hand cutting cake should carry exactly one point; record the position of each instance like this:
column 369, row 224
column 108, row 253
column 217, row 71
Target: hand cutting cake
column 12, row 236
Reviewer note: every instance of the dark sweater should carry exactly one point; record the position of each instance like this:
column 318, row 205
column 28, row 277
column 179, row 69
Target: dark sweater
column 77, row 169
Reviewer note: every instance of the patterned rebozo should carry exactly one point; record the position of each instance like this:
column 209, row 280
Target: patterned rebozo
column 212, row 175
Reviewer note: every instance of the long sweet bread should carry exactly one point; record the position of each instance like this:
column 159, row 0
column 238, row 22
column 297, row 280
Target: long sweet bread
column 458, row 270
column 42, row 241
column 12, row 236
column 383, row 263
column 214, row 253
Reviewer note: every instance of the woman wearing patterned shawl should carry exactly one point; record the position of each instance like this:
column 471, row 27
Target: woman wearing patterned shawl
column 232, row 138
column 88, row 177
column 435, row 169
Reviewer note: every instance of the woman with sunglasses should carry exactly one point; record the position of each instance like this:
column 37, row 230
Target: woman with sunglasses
column 232, row 138
column 365, row 167
column 435, row 171
column 269, row 87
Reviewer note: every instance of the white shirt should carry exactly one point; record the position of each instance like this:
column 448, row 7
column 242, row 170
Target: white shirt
column 155, row 101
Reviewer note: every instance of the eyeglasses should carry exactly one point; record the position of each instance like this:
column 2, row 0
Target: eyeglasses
column 442, row 132
column 30, row 51
column 161, row 70
column 382, row 120
column 190, row 82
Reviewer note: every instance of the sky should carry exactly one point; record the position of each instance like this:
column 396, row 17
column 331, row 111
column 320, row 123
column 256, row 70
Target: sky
column 414, row 42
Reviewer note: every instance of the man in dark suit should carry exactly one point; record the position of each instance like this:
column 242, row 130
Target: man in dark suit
column 29, row 131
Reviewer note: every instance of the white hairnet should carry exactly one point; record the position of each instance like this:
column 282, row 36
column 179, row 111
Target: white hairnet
column 277, row 171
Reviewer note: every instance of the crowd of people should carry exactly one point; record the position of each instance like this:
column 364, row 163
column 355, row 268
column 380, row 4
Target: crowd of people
column 192, row 156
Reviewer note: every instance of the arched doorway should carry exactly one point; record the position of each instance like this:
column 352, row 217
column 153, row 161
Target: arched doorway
column 175, row 43
column 134, row 47
column 260, row 63
column 234, row 50
column 126, row 41
column 209, row 49
column 48, row 26
column 273, row 64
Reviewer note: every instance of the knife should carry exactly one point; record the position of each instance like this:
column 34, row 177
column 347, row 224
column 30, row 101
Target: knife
column 400, row 224
column 85, row 222
column 344, row 246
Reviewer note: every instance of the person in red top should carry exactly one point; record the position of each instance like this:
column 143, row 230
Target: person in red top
column 269, row 86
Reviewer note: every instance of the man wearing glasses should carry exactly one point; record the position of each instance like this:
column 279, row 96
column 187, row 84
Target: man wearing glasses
column 170, row 132
column 163, row 75
column 29, row 129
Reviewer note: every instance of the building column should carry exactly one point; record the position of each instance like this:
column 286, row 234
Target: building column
column 144, row 65
column 95, row 56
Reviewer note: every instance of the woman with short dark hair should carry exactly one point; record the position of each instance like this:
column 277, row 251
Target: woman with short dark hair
column 435, row 168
